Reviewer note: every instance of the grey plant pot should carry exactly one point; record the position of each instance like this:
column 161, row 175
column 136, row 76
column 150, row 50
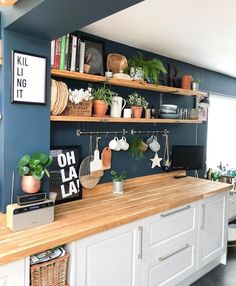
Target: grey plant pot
column 118, row 187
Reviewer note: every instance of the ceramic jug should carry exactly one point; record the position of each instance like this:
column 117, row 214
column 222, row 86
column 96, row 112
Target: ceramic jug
column 117, row 106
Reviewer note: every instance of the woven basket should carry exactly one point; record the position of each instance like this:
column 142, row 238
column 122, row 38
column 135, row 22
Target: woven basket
column 50, row 273
column 83, row 108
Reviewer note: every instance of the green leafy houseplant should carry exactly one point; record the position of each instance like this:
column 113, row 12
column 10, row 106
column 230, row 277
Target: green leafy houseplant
column 135, row 99
column 118, row 177
column 151, row 68
column 136, row 148
column 104, row 94
column 34, row 165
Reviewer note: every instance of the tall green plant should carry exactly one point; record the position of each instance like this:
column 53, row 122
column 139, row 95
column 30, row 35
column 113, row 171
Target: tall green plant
column 104, row 94
column 34, row 165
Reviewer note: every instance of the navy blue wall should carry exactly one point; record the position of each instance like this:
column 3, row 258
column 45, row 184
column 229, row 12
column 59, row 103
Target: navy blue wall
column 65, row 133
column 25, row 128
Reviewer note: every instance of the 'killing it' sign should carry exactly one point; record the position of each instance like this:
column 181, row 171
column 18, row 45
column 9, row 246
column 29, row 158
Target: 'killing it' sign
column 28, row 78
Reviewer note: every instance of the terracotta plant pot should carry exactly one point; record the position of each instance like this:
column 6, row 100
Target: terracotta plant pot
column 99, row 107
column 30, row 185
column 137, row 111
column 186, row 81
column 87, row 68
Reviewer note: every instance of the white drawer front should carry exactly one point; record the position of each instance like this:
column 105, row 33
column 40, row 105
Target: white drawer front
column 171, row 267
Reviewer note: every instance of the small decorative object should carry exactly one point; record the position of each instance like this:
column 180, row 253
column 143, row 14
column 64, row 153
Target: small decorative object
column 64, row 180
column 87, row 65
column 80, row 102
column 137, row 103
column 195, row 84
column 156, row 161
column 137, row 148
column 32, row 169
column 121, row 75
column 186, row 81
column 108, row 74
column 118, row 181
column 118, row 104
column 148, row 113
column 202, row 105
column 102, row 98
column 28, row 78
column 94, row 52
column 116, row 63
column 148, row 70
column 127, row 113
column 153, row 144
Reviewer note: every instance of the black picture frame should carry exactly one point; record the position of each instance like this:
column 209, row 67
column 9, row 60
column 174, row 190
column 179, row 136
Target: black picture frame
column 29, row 73
column 96, row 48
column 58, row 173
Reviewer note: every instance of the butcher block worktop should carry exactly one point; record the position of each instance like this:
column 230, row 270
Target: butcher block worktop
column 101, row 210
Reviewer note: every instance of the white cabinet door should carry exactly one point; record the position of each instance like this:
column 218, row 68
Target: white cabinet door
column 109, row 258
column 14, row 273
column 213, row 228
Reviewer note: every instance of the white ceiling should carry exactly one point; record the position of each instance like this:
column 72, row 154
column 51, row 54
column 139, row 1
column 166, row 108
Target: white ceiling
column 199, row 32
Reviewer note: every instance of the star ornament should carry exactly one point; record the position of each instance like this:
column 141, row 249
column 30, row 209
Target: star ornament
column 156, row 161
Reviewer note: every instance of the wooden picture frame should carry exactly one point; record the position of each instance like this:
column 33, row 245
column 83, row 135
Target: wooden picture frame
column 95, row 50
column 64, row 173
column 28, row 78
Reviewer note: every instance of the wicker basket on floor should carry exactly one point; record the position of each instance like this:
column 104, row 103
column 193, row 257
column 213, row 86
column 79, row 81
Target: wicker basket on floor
column 50, row 273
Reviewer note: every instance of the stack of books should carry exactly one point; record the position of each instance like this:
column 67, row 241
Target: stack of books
column 68, row 53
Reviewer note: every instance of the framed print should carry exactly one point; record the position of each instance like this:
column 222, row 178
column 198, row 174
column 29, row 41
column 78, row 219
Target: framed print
column 64, row 178
column 94, row 56
column 28, row 78
column 202, row 112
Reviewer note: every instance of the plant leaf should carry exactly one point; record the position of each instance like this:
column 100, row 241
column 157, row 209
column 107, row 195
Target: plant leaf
column 43, row 158
column 47, row 172
column 23, row 161
column 38, row 176
column 50, row 159
column 33, row 163
column 23, row 170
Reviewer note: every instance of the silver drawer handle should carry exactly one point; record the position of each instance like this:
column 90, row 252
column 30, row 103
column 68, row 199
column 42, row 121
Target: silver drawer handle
column 176, row 211
column 175, row 252
column 140, row 255
column 203, row 216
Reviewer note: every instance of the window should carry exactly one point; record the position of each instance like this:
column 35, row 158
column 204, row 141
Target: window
column 221, row 136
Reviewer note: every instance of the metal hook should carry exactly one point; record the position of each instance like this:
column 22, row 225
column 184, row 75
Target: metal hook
column 107, row 135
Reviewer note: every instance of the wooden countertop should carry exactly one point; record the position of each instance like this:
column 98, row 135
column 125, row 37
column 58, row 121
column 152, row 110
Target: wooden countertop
column 102, row 210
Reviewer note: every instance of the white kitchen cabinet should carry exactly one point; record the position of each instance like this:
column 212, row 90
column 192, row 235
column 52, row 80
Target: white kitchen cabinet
column 15, row 273
column 110, row 258
column 232, row 205
column 213, row 228
column 170, row 246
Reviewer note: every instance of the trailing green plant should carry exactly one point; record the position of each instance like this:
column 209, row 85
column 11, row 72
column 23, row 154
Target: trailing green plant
column 118, row 177
column 34, row 165
column 136, row 148
column 104, row 94
column 135, row 99
column 196, row 80
column 151, row 68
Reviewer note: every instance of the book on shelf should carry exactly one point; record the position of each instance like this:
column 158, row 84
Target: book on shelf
column 81, row 56
column 66, row 51
column 77, row 55
column 57, row 53
column 63, row 51
column 52, row 53
column 73, row 52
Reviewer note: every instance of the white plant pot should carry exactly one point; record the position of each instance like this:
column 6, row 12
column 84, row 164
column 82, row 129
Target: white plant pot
column 195, row 86
column 118, row 187
column 137, row 73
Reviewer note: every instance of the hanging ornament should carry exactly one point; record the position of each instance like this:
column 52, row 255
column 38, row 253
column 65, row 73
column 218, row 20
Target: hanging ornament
column 156, row 161
column 166, row 161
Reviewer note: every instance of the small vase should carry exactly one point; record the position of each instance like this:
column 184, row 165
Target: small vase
column 30, row 185
column 186, row 81
column 99, row 107
column 118, row 187
column 195, row 86
column 137, row 73
column 137, row 111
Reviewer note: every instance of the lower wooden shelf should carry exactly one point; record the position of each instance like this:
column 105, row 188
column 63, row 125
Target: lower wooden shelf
column 67, row 118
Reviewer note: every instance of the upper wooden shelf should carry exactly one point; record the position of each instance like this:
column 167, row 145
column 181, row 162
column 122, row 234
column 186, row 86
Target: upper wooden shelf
column 119, row 120
column 126, row 83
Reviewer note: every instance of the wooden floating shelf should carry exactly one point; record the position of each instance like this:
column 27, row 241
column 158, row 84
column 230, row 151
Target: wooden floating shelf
column 120, row 120
column 126, row 83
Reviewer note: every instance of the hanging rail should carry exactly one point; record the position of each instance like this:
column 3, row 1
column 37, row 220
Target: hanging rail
column 122, row 132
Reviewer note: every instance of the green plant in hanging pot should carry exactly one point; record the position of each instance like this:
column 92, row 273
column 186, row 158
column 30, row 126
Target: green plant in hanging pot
column 149, row 70
column 32, row 169
column 137, row 148
column 102, row 98
column 137, row 103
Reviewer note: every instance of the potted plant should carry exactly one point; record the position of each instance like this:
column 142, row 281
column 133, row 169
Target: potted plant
column 32, row 169
column 137, row 148
column 102, row 98
column 118, row 181
column 148, row 70
column 195, row 84
column 137, row 103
